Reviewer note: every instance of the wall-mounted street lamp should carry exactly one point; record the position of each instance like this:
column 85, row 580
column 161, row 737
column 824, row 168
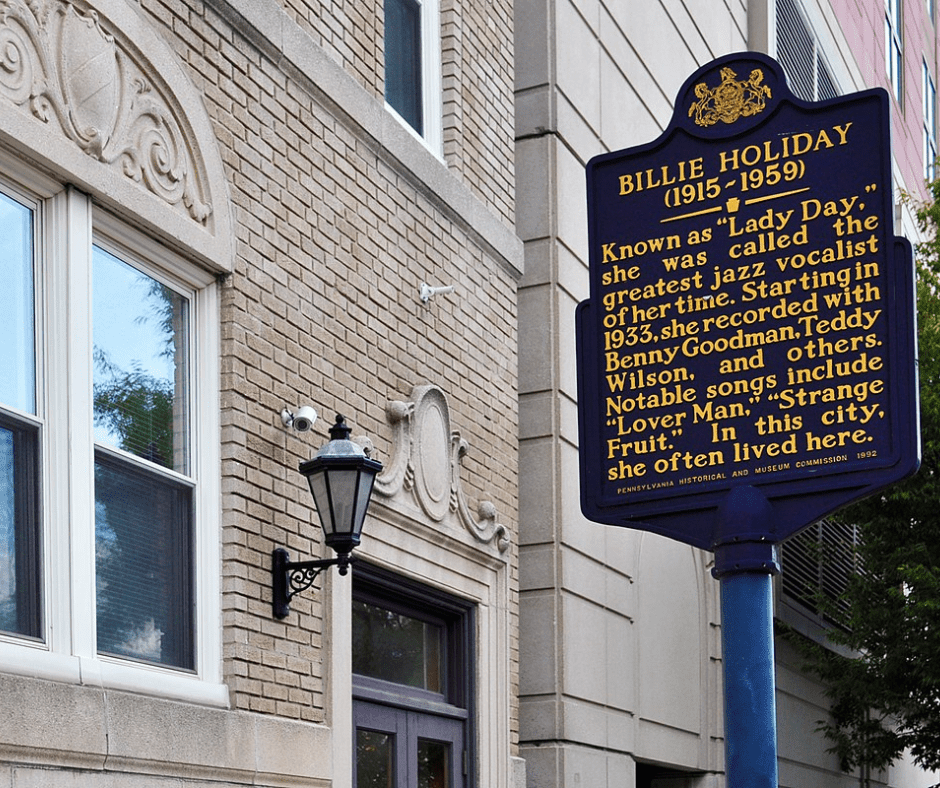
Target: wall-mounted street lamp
column 340, row 478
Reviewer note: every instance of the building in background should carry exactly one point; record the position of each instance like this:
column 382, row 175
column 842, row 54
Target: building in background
column 211, row 212
column 620, row 675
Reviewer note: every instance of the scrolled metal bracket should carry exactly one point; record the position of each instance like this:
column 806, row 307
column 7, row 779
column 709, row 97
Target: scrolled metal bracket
column 289, row 578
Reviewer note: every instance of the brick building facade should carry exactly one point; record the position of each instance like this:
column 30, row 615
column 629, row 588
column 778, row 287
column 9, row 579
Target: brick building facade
column 238, row 160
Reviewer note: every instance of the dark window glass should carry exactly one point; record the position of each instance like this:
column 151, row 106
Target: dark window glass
column 403, row 85
column 19, row 529
column 894, row 61
column 395, row 647
column 143, row 560
column 433, row 764
column 375, row 759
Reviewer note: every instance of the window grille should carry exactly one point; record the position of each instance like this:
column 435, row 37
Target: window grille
column 800, row 55
column 817, row 564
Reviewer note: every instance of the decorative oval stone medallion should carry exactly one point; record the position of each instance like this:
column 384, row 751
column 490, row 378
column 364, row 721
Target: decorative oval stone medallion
column 432, row 455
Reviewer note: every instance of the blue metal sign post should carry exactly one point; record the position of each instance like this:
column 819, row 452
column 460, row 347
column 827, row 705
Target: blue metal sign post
column 746, row 358
column 748, row 654
column 745, row 571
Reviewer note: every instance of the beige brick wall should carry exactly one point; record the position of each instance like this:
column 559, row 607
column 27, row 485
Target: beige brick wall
column 334, row 238
column 476, row 79
column 350, row 31
column 477, row 82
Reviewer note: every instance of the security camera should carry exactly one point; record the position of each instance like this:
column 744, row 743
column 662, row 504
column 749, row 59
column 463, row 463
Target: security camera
column 304, row 419
column 301, row 421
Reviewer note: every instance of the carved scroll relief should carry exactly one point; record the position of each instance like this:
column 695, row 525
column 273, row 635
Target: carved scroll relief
column 59, row 63
column 426, row 463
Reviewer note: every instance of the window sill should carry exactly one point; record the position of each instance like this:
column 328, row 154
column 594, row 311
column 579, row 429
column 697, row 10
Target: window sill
column 431, row 142
column 36, row 662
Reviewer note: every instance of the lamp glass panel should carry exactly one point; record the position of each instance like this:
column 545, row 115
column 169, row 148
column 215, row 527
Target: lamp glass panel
column 367, row 479
column 343, row 495
column 321, row 497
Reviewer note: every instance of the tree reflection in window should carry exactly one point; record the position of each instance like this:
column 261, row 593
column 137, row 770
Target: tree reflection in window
column 374, row 753
column 394, row 647
column 143, row 518
column 141, row 364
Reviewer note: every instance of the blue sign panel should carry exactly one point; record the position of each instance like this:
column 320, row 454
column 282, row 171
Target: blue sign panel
column 751, row 313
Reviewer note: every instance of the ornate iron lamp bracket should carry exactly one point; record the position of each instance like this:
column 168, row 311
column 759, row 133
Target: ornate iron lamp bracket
column 293, row 577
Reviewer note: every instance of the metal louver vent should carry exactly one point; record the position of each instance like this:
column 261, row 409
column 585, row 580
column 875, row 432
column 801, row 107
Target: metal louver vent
column 819, row 560
column 798, row 52
column 825, row 84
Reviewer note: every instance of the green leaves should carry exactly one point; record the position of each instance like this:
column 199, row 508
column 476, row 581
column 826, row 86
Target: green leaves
column 886, row 699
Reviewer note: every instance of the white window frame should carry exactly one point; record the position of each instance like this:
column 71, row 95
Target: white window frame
column 930, row 124
column 894, row 46
column 68, row 225
column 432, row 102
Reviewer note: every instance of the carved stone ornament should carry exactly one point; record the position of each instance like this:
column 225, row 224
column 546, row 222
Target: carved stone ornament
column 426, row 463
column 59, row 63
column 730, row 100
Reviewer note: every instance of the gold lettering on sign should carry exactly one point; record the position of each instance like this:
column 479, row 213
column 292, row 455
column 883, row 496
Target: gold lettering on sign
column 731, row 100
column 746, row 333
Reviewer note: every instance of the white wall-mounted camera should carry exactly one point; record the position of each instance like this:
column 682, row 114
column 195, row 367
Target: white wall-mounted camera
column 302, row 420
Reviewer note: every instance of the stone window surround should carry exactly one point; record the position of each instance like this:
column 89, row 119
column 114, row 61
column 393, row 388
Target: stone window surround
column 132, row 131
column 68, row 225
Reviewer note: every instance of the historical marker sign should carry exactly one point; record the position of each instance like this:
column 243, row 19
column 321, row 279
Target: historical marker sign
column 751, row 313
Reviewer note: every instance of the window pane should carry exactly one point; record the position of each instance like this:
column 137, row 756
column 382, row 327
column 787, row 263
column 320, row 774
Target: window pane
column 141, row 364
column 433, row 764
column 374, row 760
column 19, row 530
column 397, row 648
column 403, row 88
column 17, row 351
column 143, row 559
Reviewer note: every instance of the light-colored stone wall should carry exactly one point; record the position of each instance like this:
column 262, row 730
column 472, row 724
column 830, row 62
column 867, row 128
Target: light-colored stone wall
column 619, row 630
